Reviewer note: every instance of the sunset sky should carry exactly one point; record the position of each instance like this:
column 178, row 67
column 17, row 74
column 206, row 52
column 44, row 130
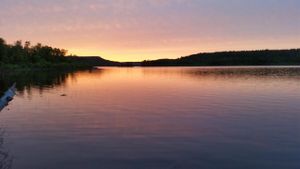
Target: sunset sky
column 134, row 30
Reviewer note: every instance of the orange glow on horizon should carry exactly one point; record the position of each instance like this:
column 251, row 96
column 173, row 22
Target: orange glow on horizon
column 138, row 30
column 161, row 52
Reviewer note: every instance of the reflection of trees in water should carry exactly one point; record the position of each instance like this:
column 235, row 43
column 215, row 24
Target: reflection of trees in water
column 26, row 81
column 40, row 79
column 230, row 72
column 264, row 73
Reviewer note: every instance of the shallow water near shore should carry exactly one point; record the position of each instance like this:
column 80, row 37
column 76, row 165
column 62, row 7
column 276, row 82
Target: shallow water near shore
column 155, row 118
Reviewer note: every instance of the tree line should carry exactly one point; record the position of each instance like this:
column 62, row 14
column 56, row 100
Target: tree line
column 46, row 56
column 25, row 53
column 42, row 56
column 233, row 58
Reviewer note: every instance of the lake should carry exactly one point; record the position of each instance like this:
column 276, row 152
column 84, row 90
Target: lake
column 154, row 118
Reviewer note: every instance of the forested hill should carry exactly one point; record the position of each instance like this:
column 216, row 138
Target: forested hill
column 41, row 56
column 93, row 60
column 233, row 58
column 19, row 53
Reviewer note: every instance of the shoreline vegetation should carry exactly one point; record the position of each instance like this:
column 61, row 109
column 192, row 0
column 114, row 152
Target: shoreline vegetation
column 24, row 56
column 234, row 58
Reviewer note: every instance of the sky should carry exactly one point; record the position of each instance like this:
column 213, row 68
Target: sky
column 136, row 30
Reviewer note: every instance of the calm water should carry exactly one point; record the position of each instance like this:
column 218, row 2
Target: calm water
column 155, row 118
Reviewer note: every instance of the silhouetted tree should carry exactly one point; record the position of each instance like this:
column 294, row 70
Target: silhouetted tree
column 2, row 49
column 19, row 53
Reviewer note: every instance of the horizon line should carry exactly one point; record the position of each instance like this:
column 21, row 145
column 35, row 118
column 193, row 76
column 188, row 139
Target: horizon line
column 207, row 52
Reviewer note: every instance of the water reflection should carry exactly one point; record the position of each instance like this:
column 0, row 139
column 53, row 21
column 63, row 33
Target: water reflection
column 159, row 118
column 50, row 79
column 230, row 72
column 6, row 159
column 39, row 79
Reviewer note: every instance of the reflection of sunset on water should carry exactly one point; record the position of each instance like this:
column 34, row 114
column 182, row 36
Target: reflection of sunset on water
column 127, row 115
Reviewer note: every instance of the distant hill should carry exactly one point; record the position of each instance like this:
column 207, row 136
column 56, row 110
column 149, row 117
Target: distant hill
column 233, row 58
column 228, row 58
column 27, row 56
column 92, row 61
